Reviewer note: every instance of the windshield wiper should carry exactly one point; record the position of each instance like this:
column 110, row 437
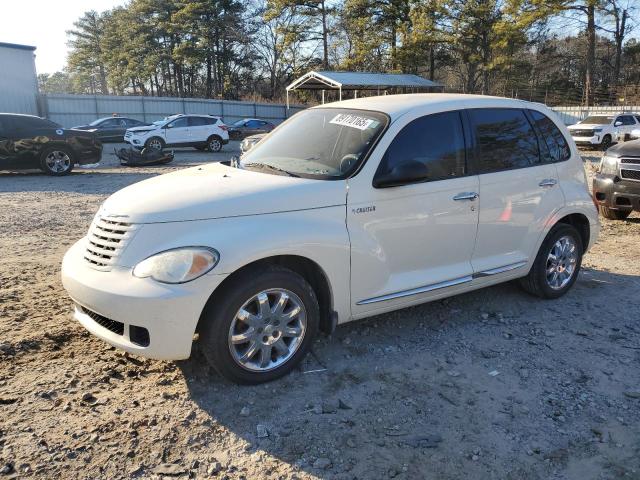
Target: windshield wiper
column 271, row 167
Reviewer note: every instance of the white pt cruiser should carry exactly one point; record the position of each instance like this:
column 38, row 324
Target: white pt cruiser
column 344, row 211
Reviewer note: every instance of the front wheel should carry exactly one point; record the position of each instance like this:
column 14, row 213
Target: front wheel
column 155, row 143
column 557, row 264
column 56, row 161
column 614, row 214
column 261, row 326
column 606, row 143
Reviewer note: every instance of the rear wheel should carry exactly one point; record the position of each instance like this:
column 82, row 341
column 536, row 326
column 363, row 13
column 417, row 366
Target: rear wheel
column 261, row 326
column 214, row 143
column 155, row 143
column 612, row 214
column 56, row 161
column 557, row 264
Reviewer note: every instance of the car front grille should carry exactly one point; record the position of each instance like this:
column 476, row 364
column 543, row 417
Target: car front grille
column 106, row 240
column 582, row 133
column 630, row 160
column 111, row 325
column 630, row 174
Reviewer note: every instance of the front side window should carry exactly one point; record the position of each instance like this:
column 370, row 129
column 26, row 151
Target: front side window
column 557, row 147
column 504, row 138
column 179, row 123
column 436, row 141
column 627, row 120
column 111, row 123
column 321, row 143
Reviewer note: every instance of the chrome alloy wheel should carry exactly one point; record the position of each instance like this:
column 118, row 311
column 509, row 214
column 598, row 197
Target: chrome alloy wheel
column 215, row 145
column 561, row 262
column 58, row 161
column 155, row 144
column 267, row 330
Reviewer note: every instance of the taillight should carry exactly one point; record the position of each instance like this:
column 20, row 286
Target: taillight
column 223, row 127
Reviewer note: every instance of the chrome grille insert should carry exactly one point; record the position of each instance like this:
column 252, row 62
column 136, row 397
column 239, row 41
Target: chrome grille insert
column 106, row 240
column 630, row 160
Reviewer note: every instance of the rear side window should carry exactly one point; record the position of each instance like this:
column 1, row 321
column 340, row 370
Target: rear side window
column 197, row 121
column 557, row 147
column 436, row 140
column 505, row 139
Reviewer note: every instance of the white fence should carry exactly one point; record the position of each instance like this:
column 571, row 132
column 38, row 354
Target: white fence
column 72, row 110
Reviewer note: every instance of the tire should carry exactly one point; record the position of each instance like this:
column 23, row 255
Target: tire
column 257, row 353
column 57, row 161
column 539, row 281
column 612, row 214
column 155, row 143
column 214, row 143
column 606, row 143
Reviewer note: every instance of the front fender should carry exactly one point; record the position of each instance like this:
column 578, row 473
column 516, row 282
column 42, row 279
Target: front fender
column 318, row 234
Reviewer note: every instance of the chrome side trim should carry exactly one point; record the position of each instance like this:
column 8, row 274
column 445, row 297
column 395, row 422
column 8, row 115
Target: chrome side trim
column 495, row 271
column 416, row 291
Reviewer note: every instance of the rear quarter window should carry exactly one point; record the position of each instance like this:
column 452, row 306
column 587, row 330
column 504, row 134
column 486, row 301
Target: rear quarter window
column 557, row 149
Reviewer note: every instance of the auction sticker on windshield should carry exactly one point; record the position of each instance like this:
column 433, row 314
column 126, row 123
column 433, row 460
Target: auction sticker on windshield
column 354, row 121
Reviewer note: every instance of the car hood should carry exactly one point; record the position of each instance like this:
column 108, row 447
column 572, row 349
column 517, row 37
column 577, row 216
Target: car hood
column 144, row 128
column 631, row 149
column 217, row 191
column 587, row 126
column 83, row 127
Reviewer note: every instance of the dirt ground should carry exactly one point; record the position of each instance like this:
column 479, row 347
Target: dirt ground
column 494, row 384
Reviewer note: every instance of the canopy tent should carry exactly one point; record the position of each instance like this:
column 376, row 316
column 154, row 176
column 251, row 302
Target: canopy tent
column 355, row 81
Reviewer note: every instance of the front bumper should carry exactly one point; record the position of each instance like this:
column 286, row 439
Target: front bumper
column 594, row 140
column 168, row 313
column 612, row 192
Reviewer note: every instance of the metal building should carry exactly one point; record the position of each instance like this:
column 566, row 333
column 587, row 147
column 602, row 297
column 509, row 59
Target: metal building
column 18, row 80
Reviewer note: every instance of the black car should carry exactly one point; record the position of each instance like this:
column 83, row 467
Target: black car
column 27, row 141
column 616, row 186
column 249, row 126
column 111, row 129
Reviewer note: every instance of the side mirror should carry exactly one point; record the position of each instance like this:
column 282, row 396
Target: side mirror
column 617, row 123
column 410, row 171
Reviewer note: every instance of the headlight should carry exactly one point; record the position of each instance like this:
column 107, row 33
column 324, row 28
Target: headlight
column 609, row 165
column 179, row 265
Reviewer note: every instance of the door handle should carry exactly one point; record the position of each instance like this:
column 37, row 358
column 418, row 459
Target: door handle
column 466, row 196
column 548, row 182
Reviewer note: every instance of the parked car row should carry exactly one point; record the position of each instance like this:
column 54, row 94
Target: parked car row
column 27, row 141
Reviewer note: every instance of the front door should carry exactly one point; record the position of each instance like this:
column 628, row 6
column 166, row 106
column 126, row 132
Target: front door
column 518, row 192
column 413, row 241
column 177, row 132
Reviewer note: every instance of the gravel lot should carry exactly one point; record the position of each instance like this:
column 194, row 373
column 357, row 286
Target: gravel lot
column 491, row 384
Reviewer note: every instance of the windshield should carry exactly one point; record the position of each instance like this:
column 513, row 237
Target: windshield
column 597, row 120
column 323, row 143
column 96, row 122
column 239, row 123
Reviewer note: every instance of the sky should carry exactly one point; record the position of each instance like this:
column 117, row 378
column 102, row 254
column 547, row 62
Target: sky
column 43, row 24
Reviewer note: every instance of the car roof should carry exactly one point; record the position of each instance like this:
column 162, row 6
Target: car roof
column 397, row 105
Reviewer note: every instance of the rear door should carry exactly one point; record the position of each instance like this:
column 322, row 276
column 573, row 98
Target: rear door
column 628, row 124
column 518, row 192
column 200, row 128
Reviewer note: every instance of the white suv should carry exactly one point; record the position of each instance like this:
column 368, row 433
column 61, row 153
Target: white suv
column 603, row 130
column 199, row 131
column 344, row 211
